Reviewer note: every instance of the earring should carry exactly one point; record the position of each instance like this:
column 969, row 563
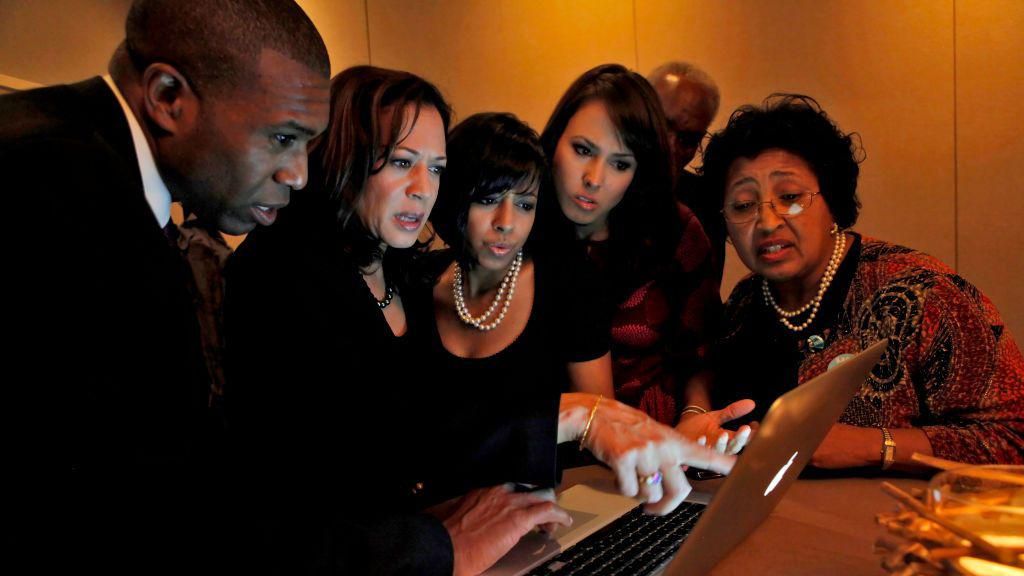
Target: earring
column 834, row 230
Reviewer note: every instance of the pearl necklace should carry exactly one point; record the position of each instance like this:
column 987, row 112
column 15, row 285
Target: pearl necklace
column 823, row 284
column 505, row 290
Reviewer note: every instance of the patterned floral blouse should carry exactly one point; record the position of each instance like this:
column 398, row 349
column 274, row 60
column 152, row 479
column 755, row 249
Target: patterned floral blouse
column 661, row 333
column 951, row 368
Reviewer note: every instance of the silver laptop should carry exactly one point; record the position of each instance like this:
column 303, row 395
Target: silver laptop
column 610, row 535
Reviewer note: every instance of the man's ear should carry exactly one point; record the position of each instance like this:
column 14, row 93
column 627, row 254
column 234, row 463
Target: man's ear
column 169, row 100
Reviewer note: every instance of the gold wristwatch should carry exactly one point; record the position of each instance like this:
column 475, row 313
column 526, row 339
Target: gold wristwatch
column 888, row 449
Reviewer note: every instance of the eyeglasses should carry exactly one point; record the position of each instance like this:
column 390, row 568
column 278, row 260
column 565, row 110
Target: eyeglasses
column 786, row 206
column 689, row 138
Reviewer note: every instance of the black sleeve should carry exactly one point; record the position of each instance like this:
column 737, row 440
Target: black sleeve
column 411, row 545
column 300, row 506
column 583, row 313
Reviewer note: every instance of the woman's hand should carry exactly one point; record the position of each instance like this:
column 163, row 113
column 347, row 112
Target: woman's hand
column 706, row 429
column 487, row 523
column 645, row 455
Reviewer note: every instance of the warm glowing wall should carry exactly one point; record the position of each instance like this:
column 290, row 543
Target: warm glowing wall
column 59, row 41
column 990, row 149
column 934, row 88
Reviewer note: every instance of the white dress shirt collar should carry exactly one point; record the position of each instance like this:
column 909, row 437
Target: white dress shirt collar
column 157, row 195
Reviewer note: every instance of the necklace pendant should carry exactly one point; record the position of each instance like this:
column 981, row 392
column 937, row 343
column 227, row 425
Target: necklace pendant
column 838, row 360
column 816, row 343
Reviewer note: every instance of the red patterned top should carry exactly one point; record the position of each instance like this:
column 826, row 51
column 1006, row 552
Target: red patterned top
column 660, row 334
column 952, row 368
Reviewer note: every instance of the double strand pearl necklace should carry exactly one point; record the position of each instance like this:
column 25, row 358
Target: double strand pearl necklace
column 823, row 284
column 505, row 291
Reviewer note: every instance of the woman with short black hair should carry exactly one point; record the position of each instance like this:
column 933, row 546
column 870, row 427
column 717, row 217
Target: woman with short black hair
column 951, row 382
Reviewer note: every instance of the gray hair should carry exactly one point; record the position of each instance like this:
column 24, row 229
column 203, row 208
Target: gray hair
column 693, row 74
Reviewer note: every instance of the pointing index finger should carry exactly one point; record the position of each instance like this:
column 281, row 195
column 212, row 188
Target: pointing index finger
column 706, row 458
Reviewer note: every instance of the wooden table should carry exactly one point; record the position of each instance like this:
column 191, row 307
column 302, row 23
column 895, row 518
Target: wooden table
column 821, row 527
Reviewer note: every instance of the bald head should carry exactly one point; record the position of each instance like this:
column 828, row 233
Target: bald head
column 690, row 100
column 217, row 44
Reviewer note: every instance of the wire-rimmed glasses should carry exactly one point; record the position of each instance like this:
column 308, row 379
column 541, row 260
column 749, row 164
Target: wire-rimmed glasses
column 786, row 206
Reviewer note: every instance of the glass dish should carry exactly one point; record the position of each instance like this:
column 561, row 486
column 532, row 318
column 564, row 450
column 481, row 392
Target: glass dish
column 985, row 500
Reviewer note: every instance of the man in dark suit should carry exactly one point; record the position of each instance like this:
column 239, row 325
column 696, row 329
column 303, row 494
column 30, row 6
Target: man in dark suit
column 210, row 103
column 690, row 100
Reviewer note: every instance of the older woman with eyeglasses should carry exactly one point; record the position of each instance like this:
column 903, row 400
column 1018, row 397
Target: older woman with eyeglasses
column 951, row 383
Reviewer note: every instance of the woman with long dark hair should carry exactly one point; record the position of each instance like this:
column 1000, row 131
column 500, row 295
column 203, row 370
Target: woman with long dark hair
column 612, row 181
column 315, row 322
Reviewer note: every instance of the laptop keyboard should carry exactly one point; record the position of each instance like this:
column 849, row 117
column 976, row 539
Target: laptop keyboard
column 635, row 543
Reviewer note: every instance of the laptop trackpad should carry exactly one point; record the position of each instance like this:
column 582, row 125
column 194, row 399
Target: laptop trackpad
column 590, row 509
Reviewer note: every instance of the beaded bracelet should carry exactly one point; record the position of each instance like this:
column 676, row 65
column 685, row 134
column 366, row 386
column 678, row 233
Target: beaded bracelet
column 590, row 420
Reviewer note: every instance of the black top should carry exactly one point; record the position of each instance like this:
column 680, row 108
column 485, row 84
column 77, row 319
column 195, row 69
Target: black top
column 759, row 358
column 503, row 409
column 324, row 403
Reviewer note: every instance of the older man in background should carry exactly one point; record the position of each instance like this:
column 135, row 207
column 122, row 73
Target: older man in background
column 690, row 99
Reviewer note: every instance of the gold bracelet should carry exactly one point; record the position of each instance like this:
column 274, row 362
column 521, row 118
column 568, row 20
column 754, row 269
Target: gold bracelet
column 590, row 420
column 692, row 408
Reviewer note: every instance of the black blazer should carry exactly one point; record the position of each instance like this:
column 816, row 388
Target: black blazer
column 321, row 399
column 112, row 392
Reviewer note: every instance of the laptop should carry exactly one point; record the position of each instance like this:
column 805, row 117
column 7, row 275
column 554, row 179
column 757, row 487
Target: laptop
column 611, row 535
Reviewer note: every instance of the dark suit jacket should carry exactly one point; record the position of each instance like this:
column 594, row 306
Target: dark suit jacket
column 113, row 390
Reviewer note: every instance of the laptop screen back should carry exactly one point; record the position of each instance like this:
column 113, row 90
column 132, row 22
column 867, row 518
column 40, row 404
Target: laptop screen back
column 791, row 431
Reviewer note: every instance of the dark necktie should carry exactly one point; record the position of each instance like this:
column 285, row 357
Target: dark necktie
column 171, row 232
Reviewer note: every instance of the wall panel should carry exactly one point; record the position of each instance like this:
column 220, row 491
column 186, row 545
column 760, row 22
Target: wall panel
column 342, row 23
column 990, row 120
column 59, row 41
column 504, row 55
